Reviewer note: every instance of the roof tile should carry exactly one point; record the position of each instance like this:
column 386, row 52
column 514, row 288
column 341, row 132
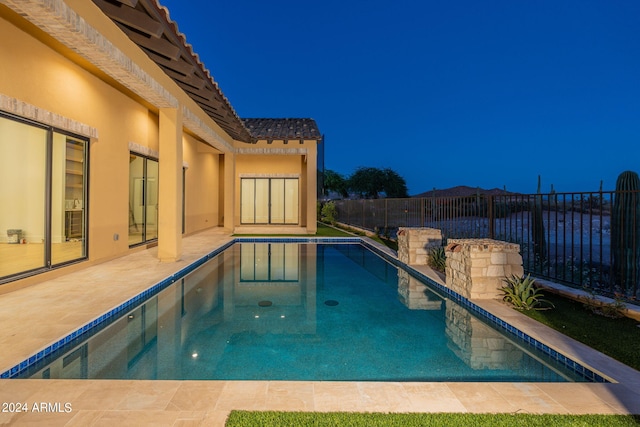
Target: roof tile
column 283, row 129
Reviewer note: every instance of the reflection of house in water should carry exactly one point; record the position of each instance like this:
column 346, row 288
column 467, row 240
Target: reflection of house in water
column 248, row 291
column 415, row 294
column 477, row 344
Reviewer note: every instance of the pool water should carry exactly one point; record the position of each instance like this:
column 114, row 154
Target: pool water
column 301, row 311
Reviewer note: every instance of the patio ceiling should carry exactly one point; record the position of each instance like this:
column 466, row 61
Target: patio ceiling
column 148, row 24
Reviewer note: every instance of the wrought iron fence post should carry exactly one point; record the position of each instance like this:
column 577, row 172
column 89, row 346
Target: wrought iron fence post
column 491, row 216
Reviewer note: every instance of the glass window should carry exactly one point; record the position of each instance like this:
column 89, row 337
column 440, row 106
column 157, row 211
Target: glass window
column 143, row 199
column 136, row 201
column 262, row 201
column 68, row 232
column 247, row 203
column 43, row 193
column 290, row 201
column 277, row 201
column 269, row 201
column 151, row 193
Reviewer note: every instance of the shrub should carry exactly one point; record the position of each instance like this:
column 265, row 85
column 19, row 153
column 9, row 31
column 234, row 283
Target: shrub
column 328, row 213
column 613, row 310
column 437, row 259
column 523, row 294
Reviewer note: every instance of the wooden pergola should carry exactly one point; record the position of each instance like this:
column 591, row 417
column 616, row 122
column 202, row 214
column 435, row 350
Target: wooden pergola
column 148, row 25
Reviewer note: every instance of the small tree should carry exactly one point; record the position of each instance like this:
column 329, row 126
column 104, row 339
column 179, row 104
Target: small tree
column 367, row 182
column 333, row 181
column 370, row 182
column 328, row 213
column 394, row 185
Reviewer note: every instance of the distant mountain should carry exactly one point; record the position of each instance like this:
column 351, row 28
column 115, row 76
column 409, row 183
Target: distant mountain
column 462, row 191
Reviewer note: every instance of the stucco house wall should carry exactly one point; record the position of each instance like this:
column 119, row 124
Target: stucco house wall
column 46, row 73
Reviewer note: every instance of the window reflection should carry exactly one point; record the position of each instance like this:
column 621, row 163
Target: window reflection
column 269, row 262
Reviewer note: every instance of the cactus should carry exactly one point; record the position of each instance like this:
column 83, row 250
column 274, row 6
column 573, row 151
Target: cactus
column 625, row 232
column 537, row 228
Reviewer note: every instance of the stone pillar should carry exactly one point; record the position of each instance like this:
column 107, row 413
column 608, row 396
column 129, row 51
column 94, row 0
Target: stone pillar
column 414, row 244
column 476, row 268
column 170, row 185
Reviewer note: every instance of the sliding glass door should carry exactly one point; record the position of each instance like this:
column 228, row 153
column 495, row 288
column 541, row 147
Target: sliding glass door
column 43, row 192
column 68, row 225
column 269, row 201
column 143, row 199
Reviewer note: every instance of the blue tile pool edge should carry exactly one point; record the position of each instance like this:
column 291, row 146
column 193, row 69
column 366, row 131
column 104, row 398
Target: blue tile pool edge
column 102, row 320
column 569, row 363
column 572, row 365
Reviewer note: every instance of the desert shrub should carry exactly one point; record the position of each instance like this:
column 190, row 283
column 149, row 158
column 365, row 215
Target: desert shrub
column 328, row 213
column 437, row 259
column 523, row 294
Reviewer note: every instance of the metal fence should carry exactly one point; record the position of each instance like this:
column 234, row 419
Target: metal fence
column 564, row 237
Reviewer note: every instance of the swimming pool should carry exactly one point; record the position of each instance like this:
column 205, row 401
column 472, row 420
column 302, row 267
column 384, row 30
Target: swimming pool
column 300, row 311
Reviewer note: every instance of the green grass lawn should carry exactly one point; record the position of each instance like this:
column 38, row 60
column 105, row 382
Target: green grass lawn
column 352, row 419
column 323, row 231
column 618, row 338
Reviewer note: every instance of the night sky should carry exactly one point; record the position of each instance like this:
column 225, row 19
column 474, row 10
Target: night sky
column 461, row 92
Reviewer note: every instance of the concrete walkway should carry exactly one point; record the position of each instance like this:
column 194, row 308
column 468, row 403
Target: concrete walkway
column 34, row 317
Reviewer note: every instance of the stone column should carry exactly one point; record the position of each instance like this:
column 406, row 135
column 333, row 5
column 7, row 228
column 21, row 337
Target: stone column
column 476, row 268
column 170, row 185
column 414, row 244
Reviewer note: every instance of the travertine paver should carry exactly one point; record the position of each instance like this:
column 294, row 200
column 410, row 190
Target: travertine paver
column 33, row 317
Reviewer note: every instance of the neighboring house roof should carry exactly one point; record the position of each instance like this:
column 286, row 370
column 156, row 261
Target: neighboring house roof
column 283, row 129
column 148, row 24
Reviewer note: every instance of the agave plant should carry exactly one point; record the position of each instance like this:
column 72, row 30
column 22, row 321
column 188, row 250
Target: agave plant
column 523, row 294
column 437, row 259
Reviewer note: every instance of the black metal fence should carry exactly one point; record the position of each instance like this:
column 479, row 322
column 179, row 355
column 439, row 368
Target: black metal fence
column 564, row 237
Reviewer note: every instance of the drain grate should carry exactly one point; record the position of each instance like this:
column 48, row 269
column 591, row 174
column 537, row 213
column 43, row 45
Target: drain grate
column 331, row 302
column 265, row 303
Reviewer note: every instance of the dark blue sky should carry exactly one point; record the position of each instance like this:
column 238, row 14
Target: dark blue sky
column 460, row 92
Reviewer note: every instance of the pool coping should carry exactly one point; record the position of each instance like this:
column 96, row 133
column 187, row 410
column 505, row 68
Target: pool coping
column 588, row 372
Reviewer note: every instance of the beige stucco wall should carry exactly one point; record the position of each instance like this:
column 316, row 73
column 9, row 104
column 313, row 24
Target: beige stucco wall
column 40, row 71
column 202, row 185
column 280, row 159
column 40, row 76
